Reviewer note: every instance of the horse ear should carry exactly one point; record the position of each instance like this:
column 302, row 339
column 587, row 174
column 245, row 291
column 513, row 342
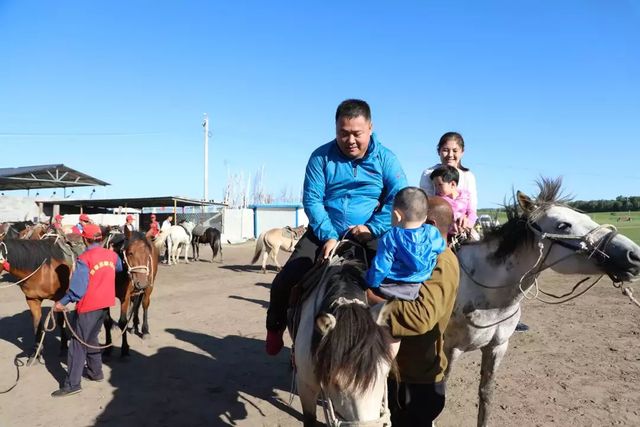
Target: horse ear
column 325, row 322
column 525, row 202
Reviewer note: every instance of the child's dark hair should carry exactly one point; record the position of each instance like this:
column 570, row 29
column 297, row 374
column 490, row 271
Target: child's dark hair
column 413, row 202
column 447, row 173
column 452, row 136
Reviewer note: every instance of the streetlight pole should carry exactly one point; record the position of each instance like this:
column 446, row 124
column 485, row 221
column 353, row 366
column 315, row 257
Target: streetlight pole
column 205, row 124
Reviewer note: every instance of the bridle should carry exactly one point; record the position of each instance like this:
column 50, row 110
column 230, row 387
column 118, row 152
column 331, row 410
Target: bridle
column 147, row 270
column 586, row 244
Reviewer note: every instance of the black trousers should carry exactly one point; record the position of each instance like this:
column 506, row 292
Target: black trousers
column 415, row 405
column 87, row 326
column 301, row 260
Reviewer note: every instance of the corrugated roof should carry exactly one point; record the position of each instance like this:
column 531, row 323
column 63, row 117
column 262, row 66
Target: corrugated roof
column 137, row 203
column 44, row 176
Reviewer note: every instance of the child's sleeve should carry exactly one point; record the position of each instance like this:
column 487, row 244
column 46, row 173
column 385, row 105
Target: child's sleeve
column 382, row 262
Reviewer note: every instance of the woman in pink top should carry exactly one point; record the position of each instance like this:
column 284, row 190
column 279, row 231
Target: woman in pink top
column 445, row 182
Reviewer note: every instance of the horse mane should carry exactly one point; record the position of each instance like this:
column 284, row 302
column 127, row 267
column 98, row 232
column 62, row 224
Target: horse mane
column 28, row 255
column 348, row 355
column 515, row 232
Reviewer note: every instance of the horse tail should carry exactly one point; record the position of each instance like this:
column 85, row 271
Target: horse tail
column 216, row 245
column 349, row 353
column 259, row 248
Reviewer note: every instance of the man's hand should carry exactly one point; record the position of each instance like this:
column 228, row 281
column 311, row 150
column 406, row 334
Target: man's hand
column 328, row 247
column 58, row 307
column 361, row 233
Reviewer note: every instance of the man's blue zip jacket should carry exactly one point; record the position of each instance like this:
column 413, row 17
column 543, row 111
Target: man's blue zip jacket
column 340, row 192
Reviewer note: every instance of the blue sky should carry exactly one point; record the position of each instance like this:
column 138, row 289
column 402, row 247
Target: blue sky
column 117, row 89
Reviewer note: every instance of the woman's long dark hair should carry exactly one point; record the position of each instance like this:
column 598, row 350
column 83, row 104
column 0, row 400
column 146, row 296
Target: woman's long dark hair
column 456, row 137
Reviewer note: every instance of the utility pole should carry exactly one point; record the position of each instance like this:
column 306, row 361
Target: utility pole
column 205, row 125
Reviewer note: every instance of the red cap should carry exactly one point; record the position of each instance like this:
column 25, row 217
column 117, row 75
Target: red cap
column 92, row 231
column 129, row 217
column 153, row 216
column 84, row 217
column 57, row 217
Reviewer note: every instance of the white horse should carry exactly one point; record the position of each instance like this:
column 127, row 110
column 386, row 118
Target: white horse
column 498, row 272
column 340, row 351
column 176, row 237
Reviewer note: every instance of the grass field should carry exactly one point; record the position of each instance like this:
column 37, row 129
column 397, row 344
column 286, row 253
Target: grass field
column 631, row 229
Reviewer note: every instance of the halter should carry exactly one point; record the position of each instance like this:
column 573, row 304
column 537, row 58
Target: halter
column 584, row 244
column 146, row 269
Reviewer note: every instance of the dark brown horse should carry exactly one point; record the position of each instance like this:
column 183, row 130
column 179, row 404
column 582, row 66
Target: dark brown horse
column 42, row 273
column 134, row 285
column 211, row 236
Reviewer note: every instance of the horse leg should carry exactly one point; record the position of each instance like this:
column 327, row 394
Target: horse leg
column 136, row 319
column 491, row 358
column 308, row 398
column 35, row 306
column 453, row 354
column 186, row 253
column 274, row 255
column 145, row 309
column 122, row 323
column 108, row 324
column 265, row 257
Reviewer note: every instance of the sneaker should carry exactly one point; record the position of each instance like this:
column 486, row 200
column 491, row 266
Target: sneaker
column 66, row 392
column 521, row 327
column 274, row 342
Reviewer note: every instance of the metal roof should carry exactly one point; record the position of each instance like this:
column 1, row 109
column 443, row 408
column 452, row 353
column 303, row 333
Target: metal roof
column 137, row 203
column 44, row 176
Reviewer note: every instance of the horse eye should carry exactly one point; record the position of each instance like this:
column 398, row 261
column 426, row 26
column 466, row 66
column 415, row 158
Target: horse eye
column 564, row 226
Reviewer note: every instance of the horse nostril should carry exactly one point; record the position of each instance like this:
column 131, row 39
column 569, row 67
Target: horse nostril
column 634, row 257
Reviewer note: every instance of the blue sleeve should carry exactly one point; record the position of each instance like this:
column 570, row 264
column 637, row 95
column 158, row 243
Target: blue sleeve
column 313, row 200
column 382, row 262
column 393, row 180
column 118, row 264
column 78, row 284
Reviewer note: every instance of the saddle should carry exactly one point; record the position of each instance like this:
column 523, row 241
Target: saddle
column 292, row 233
column 198, row 230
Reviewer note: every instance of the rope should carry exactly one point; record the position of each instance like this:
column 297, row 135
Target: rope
column 23, row 279
column 628, row 292
column 18, row 363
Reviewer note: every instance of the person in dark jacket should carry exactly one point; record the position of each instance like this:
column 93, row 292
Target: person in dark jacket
column 407, row 253
column 92, row 288
column 349, row 187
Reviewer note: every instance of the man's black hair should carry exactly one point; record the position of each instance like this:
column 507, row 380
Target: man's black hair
column 352, row 108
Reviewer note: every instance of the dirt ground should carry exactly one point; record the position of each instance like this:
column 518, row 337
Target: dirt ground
column 204, row 364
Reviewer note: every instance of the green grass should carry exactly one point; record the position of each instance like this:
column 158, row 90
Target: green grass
column 631, row 229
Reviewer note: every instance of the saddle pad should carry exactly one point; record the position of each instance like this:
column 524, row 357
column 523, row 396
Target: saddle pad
column 198, row 230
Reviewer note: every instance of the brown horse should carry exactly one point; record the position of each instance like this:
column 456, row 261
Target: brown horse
column 134, row 285
column 42, row 273
column 271, row 241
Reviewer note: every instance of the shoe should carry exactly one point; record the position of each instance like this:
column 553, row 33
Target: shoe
column 66, row 392
column 274, row 342
column 95, row 380
column 521, row 327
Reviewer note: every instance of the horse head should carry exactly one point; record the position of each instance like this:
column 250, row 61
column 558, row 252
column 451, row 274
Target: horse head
column 571, row 242
column 348, row 355
column 137, row 255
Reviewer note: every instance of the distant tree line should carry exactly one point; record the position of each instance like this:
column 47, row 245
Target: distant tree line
column 620, row 204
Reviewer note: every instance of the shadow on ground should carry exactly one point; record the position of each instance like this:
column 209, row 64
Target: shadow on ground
column 177, row 387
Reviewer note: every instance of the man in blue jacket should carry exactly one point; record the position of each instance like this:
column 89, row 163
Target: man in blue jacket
column 349, row 186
